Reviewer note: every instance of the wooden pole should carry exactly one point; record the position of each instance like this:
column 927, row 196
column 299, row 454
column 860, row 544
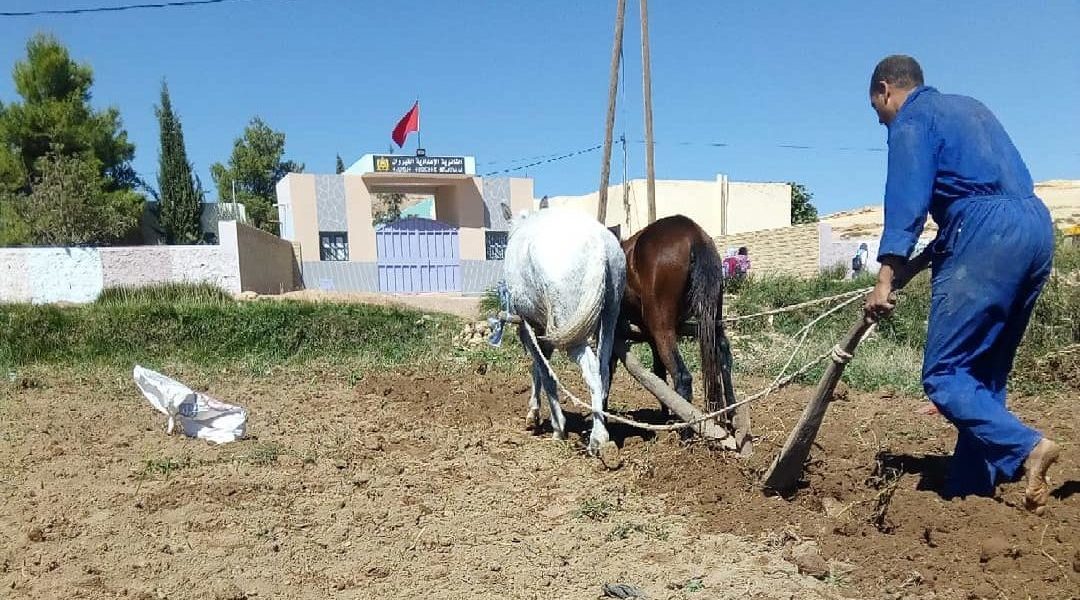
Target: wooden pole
column 613, row 87
column 678, row 405
column 646, row 76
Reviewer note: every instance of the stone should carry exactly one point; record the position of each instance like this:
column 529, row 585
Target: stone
column 992, row 547
column 807, row 556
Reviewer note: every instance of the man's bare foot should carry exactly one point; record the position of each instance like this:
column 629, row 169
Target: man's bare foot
column 1037, row 464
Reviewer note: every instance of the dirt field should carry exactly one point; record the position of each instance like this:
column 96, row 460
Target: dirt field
column 426, row 486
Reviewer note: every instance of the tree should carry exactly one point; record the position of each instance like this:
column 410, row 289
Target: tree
column 256, row 165
column 802, row 210
column 180, row 195
column 55, row 116
column 340, row 167
column 69, row 204
column 389, row 209
column 54, row 119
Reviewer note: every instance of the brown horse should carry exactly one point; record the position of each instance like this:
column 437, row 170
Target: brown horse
column 673, row 272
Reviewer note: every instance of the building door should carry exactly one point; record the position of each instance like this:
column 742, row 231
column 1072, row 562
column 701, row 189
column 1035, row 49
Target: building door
column 418, row 255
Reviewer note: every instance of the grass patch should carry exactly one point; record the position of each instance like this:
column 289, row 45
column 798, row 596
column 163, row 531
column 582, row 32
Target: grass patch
column 263, row 454
column 167, row 293
column 200, row 327
column 596, row 509
column 164, row 467
column 891, row 358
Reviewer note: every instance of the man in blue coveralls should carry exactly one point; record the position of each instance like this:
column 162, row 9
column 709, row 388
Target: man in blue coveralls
column 949, row 156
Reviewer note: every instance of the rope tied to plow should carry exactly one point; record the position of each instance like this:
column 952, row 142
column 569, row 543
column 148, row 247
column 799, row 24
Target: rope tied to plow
column 840, row 356
column 836, row 354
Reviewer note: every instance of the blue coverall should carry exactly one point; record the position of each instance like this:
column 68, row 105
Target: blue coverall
column 949, row 156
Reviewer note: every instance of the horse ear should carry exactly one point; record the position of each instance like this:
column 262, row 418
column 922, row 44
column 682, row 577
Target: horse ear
column 507, row 213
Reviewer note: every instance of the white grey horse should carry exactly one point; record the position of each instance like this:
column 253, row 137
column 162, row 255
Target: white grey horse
column 565, row 274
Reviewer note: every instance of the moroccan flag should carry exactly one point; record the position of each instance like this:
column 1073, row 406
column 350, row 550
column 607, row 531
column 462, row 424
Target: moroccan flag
column 408, row 124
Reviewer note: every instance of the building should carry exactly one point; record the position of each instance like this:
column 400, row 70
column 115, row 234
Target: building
column 458, row 245
column 331, row 218
column 722, row 207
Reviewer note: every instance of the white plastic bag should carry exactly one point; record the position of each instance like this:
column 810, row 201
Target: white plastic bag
column 200, row 415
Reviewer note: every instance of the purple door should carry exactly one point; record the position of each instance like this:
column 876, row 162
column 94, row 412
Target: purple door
column 418, row 255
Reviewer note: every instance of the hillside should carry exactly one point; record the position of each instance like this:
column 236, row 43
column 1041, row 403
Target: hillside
column 1062, row 197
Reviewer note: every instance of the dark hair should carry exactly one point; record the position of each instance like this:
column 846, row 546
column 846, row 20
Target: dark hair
column 744, row 251
column 902, row 71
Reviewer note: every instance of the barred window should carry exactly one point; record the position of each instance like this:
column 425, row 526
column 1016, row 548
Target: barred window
column 333, row 245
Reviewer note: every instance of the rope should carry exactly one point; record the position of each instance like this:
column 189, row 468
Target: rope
column 794, row 307
column 837, row 354
column 1059, row 353
column 840, row 356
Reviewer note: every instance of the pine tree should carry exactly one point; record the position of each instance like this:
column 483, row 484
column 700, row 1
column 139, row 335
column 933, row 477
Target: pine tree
column 340, row 165
column 181, row 194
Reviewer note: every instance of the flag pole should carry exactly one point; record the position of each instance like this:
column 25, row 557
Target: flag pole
column 418, row 146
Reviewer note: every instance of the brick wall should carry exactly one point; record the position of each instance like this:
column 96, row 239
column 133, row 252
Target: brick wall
column 793, row 250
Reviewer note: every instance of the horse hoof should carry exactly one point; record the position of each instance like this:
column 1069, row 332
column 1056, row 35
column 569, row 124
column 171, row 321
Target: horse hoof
column 532, row 420
column 558, row 436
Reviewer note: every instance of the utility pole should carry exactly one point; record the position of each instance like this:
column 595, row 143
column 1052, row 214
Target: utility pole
column 646, row 75
column 625, row 186
column 613, row 87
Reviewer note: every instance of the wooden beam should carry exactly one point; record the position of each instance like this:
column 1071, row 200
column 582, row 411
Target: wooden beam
column 646, row 83
column 678, row 405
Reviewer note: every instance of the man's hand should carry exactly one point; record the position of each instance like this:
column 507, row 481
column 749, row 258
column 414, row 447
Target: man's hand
column 878, row 305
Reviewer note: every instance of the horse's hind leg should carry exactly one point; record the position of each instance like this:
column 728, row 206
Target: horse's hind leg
column 661, row 372
column 591, row 372
column 658, row 367
column 532, row 418
column 541, row 380
column 667, row 347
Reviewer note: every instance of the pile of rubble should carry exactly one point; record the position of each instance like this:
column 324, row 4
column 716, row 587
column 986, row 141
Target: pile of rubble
column 474, row 334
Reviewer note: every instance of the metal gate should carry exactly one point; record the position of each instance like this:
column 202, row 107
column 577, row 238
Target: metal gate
column 418, row 255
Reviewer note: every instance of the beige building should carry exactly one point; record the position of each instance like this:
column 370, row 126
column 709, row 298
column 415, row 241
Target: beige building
column 721, row 207
column 330, row 217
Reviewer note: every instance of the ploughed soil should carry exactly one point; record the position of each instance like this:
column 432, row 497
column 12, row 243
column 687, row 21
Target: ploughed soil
column 426, row 485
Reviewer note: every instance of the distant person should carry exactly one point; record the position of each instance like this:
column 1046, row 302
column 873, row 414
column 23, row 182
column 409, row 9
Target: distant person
column 737, row 264
column 858, row 262
column 949, row 156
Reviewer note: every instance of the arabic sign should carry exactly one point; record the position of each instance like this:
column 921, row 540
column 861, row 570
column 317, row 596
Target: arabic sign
column 451, row 165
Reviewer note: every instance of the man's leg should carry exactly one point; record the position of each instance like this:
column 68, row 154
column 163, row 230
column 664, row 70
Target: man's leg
column 968, row 316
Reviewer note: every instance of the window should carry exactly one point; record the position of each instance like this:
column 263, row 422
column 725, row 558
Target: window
column 333, row 245
column 495, row 244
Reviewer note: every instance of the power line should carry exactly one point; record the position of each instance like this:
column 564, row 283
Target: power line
column 549, row 160
column 102, row 9
column 784, row 146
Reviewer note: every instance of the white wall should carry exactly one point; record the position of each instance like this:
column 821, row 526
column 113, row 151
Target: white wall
column 45, row 275
column 750, row 206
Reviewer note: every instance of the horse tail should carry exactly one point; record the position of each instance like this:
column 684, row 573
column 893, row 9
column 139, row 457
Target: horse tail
column 707, row 301
column 593, row 285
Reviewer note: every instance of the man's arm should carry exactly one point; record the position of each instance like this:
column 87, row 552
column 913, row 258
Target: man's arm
column 908, row 189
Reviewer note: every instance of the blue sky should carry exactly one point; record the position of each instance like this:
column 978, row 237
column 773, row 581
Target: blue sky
column 506, row 80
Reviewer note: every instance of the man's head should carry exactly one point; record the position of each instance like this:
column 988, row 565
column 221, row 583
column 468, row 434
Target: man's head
column 893, row 79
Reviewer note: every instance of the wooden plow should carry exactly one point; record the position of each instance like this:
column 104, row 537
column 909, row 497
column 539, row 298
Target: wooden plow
column 783, row 475
column 693, row 418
